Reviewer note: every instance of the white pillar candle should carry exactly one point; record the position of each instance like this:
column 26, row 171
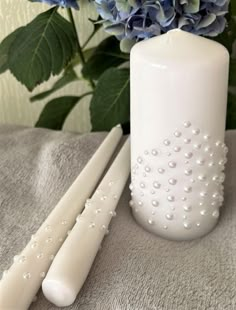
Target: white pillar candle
column 22, row 281
column 178, row 110
column 74, row 260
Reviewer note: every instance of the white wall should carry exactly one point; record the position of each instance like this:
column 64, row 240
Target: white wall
column 15, row 107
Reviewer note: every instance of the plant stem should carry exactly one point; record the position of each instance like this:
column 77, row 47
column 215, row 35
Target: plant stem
column 81, row 55
column 90, row 37
column 86, row 94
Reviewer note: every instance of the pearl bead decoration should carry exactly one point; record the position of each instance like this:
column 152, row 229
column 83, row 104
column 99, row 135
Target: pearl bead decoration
column 179, row 180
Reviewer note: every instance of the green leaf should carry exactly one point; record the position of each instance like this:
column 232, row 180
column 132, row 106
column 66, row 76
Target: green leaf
column 43, row 47
column 231, row 112
column 228, row 37
column 87, row 54
column 56, row 111
column 4, row 49
column 110, row 103
column 69, row 77
column 232, row 73
column 105, row 56
column 233, row 7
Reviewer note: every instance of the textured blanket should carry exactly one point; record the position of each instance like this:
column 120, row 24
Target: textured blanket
column 134, row 270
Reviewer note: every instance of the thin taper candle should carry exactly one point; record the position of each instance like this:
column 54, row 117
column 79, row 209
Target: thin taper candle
column 74, row 260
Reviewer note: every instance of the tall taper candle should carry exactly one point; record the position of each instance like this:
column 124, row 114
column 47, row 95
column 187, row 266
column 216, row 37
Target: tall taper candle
column 178, row 108
column 74, row 260
column 21, row 283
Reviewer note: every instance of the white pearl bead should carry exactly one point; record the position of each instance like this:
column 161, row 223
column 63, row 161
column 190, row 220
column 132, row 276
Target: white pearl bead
column 22, row 259
column 201, row 177
column 34, row 244
column 200, row 162
column 166, row 142
column 187, row 124
column 170, row 198
column 207, row 149
column 139, row 160
column 203, row 212
column 187, row 141
column 142, row 185
column 187, row 208
column 155, row 203
column 188, row 155
column 172, row 181
column 150, row 221
column 187, row 189
column 177, row 148
column 169, row 216
column 26, row 275
column 40, row 255
column 206, row 137
column 215, row 178
column 172, row 164
column 177, row 133
column 215, row 195
column 197, row 146
column 16, row 258
column 156, row 184
column 48, row 228
column 188, row 172
column 216, row 214
column 196, row 131
column 5, row 272
column 187, row 225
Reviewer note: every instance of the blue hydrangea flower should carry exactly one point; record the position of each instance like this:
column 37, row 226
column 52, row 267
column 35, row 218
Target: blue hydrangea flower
column 64, row 3
column 140, row 19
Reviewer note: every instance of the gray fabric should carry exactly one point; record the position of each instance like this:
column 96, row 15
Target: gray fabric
column 134, row 270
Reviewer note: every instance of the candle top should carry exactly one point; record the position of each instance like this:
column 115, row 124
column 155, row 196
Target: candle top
column 177, row 46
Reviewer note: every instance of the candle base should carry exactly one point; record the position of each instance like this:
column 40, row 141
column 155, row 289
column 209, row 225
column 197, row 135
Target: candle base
column 174, row 233
column 177, row 188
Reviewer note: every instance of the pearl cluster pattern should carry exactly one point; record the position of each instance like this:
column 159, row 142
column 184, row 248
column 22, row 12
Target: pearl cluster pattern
column 179, row 182
column 38, row 247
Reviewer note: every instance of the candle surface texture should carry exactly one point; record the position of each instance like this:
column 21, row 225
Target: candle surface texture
column 179, row 85
column 74, row 260
column 20, row 284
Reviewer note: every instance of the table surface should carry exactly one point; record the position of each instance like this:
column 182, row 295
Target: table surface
column 134, row 270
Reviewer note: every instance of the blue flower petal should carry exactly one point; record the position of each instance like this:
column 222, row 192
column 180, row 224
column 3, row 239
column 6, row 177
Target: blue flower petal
column 140, row 19
column 63, row 3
